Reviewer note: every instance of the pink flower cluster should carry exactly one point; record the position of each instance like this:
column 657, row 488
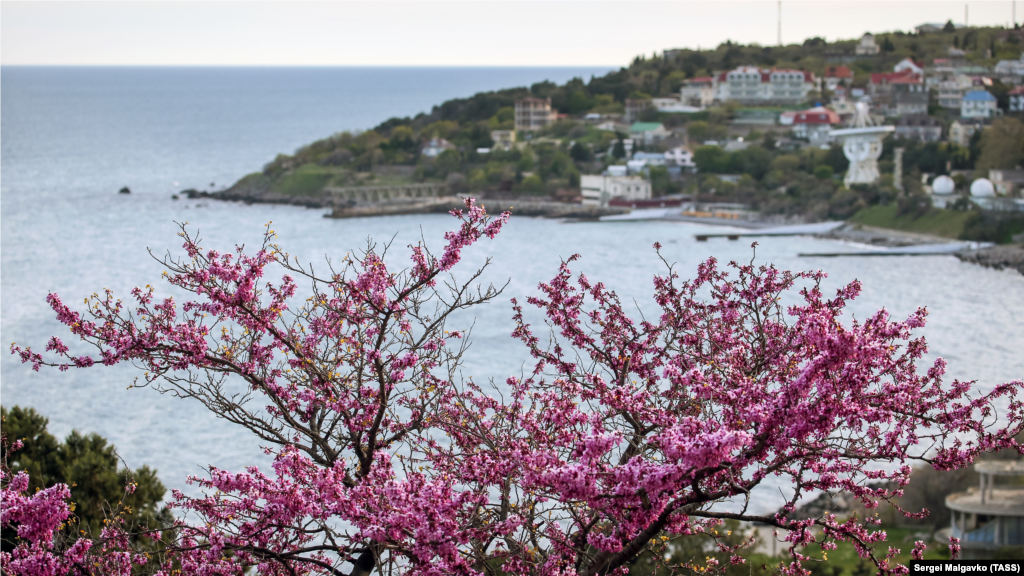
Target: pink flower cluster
column 622, row 432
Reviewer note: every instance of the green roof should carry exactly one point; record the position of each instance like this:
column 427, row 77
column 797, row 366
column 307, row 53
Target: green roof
column 644, row 126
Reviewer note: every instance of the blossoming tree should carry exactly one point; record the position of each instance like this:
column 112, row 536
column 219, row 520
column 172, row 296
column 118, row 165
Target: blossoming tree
column 625, row 434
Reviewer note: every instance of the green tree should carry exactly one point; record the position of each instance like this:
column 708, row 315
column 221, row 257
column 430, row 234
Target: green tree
column 89, row 466
column 532, row 184
column 1002, row 145
column 949, row 27
column 823, row 172
column 619, row 151
column 579, row 152
column 698, row 131
column 711, row 160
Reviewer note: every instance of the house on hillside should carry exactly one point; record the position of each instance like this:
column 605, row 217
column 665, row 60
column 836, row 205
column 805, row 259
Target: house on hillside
column 680, row 156
column 648, row 132
column 909, row 99
column 933, row 27
column 882, row 85
column 909, row 64
column 815, row 124
column 836, row 76
column 698, row 92
column 533, row 114
column 598, row 190
column 635, row 107
column 867, row 46
column 978, row 104
column 920, row 127
column 961, row 131
column 752, row 85
column 1010, row 67
column 673, row 106
column 1017, row 99
column 433, row 147
column 503, row 139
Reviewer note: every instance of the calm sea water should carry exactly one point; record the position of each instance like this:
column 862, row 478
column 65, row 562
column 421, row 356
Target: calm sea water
column 71, row 137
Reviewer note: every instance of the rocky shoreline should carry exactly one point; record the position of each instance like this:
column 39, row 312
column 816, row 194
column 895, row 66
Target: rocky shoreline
column 521, row 206
column 1006, row 256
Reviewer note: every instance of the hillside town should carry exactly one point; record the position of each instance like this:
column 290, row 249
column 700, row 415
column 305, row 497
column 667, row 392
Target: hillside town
column 919, row 131
column 948, row 100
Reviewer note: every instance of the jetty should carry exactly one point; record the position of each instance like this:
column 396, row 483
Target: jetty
column 949, row 248
column 793, row 230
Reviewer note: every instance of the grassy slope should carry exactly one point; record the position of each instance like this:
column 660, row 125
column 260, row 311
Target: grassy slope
column 306, row 180
column 947, row 223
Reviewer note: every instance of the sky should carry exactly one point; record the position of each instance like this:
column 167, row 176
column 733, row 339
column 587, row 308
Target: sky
column 435, row 33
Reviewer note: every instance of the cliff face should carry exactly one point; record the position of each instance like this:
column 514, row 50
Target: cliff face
column 258, row 188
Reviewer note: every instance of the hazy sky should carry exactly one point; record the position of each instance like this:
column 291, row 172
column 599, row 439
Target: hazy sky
column 481, row 32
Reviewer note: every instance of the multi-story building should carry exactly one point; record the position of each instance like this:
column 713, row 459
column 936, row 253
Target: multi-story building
column 951, row 91
column 978, row 104
column 597, row 190
column 635, row 107
column 909, row 99
column 751, row 85
column 882, row 85
column 534, row 113
column 961, row 131
column 698, row 92
column 919, row 127
column 1017, row 99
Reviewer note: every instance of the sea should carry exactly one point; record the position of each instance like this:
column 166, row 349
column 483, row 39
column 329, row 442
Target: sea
column 71, row 137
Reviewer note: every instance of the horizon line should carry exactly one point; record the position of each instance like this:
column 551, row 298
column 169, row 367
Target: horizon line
column 609, row 66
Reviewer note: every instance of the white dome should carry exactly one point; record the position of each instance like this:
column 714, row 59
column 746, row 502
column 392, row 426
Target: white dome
column 982, row 188
column 943, row 185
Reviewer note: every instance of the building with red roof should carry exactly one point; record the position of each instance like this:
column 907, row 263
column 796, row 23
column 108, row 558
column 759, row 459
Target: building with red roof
column 1017, row 99
column 815, row 124
column 836, row 76
column 753, row 85
column 698, row 91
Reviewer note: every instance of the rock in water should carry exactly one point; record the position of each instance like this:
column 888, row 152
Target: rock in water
column 124, row 190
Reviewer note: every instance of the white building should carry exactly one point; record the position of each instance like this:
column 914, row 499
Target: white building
column 1010, row 67
column 673, row 105
column 598, row 190
column 435, row 146
column 867, row 46
column 908, row 64
column 751, row 85
column 1017, row 99
column 680, row 156
column 978, row 104
column 698, row 92
column 648, row 132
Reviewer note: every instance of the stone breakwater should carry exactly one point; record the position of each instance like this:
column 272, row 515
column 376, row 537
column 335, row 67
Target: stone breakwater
column 1009, row 256
column 519, row 207
column 342, row 208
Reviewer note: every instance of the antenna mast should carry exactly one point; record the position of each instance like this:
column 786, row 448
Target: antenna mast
column 780, row 22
